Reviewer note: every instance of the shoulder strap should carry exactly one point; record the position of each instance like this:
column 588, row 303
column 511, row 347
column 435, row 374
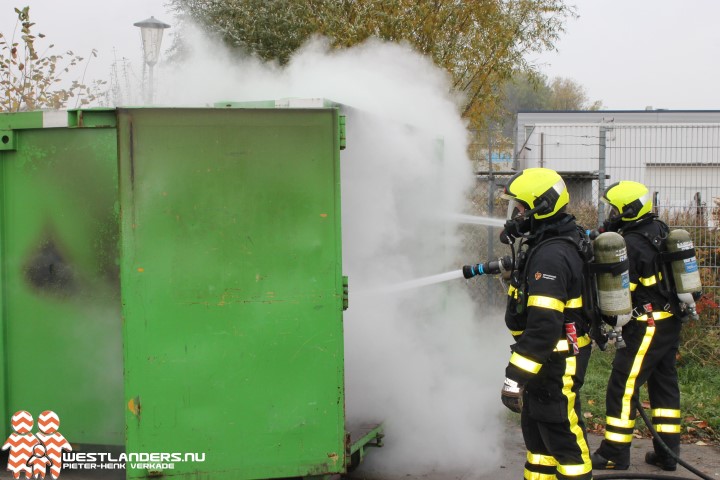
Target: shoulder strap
column 657, row 241
column 662, row 257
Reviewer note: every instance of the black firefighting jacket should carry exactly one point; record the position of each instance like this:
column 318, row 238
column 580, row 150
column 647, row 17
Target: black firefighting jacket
column 544, row 296
column 650, row 291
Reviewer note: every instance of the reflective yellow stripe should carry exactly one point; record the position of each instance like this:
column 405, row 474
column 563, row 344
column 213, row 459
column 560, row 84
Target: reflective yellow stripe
column 512, row 291
column 619, row 422
column 528, row 475
column 633, row 286
column 637, row 363
column 537, row 459
column 618, row 437
column 525, row 363
column 562, row 345
column 665, row 412
column 545, row 302
column 574, row 303
column 570, row 369
column 573, row 470
column 649, row 281
column 664, row 428
column 516, row 333
column 656, row 316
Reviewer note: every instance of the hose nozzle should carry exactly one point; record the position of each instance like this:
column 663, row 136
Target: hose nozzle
column 493, row 267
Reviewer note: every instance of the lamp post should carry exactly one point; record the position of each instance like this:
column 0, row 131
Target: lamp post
column 151, row 31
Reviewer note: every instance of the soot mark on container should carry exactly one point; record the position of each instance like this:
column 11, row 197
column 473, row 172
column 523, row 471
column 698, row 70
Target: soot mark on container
column 48, row 271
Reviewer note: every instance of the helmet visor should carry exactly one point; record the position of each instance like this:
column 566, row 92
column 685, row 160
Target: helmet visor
column 514, row 209
column 611, row 211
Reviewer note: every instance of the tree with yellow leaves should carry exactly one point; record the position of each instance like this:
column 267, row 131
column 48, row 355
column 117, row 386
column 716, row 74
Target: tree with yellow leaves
column 481, row 43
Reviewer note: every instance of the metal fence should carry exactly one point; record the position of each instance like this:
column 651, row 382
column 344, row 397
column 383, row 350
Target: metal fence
column 679, row 163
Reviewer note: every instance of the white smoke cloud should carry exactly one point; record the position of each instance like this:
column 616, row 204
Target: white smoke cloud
column 425, row 361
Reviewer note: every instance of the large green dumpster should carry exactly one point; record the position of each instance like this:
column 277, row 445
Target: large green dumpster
column 172, row 284
column 62, row 334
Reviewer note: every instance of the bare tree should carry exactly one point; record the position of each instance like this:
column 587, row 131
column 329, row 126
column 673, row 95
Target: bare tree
column 32, row 80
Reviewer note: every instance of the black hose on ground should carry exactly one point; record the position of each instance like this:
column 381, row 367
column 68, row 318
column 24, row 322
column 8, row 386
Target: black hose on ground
column 627, row 476
column 667, row 449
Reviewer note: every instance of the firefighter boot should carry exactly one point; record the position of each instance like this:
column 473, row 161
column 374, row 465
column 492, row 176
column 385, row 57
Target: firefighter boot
column 601, row 463
column 665, row 462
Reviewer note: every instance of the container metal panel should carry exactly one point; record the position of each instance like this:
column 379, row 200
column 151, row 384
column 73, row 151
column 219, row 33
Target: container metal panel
column 59, row 279
column 232, row 289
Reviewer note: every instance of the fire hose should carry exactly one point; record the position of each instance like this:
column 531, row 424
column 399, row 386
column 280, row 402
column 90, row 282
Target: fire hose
column 666, row 449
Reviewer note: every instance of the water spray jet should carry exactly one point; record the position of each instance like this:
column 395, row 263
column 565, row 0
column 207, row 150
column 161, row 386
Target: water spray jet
column 476, row 220
column 493, row 267
column 417, row 283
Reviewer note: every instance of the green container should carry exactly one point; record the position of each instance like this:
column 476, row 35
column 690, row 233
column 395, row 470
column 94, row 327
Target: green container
column 60, row 287
column 172, row 283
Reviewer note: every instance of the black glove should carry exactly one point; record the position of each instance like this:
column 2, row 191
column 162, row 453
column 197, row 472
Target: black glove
column 609, row 319
column 506, row 238
column 511, row 395
column 617, row 320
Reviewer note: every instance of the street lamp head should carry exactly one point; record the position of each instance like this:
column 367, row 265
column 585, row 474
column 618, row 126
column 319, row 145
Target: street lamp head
column 151, row 31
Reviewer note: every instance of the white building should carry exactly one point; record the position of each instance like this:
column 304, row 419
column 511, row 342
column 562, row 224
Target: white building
column 675, row 153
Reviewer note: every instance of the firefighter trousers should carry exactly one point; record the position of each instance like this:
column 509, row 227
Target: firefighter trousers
column 649, row 357
column 552, row 424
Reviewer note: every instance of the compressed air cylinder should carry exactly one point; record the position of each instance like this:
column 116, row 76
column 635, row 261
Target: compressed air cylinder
column 613, row 290
column 685, row 271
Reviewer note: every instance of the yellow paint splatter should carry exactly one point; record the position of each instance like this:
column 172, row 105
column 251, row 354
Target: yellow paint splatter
column 133, row 405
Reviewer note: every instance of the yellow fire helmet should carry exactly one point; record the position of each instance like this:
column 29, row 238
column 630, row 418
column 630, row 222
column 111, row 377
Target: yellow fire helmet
column 541, row 191
column 627, row 199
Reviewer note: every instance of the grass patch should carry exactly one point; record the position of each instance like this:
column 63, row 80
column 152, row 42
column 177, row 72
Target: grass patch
column 699, row 398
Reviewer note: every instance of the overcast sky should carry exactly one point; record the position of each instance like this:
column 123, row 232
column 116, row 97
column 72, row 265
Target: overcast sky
column 637, row 53
column 84, row 25
column 629, row 54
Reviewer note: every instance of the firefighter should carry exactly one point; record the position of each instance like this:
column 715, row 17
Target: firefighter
column 651, row 333
column 544, row 313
